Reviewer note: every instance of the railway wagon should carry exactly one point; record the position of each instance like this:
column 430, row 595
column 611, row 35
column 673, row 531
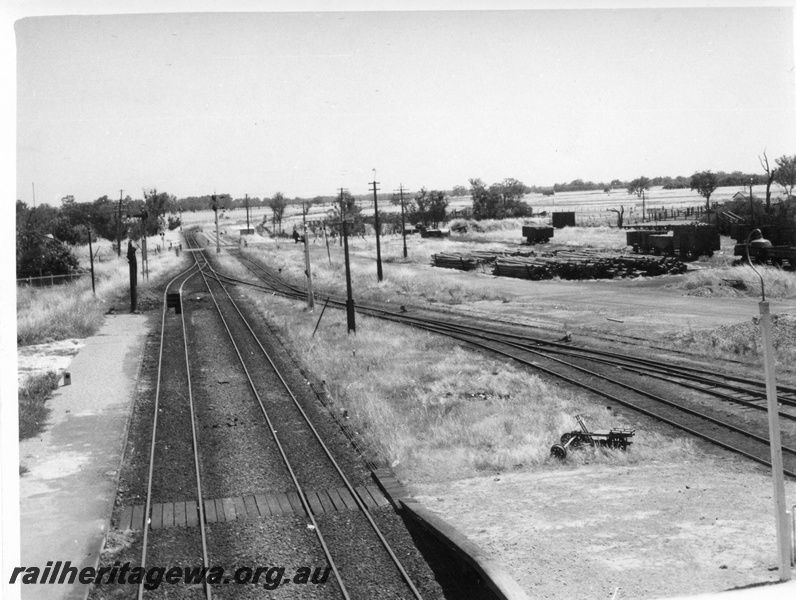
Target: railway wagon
column 776, row 246
column 776, row 234
column 696, row 240
column 688, row 241
column 537, row 235
column 563, row 219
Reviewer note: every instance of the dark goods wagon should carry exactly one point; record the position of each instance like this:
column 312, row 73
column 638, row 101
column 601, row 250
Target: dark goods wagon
column 619, row 438
column 563, row 219
column 537, row 235
column 774, row 244
column 687, row 241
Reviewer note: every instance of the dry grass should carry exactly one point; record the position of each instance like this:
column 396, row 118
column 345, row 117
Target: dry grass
column 72, row 310
column 738, row 281
column 436, row 411
column 413, row 278
column 408, row 281
column 33, row 410
column 744, row 340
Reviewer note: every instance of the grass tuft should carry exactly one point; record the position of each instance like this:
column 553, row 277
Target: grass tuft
column 33, row 409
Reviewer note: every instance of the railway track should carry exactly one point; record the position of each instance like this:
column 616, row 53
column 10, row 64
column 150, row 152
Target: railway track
column 276, row 463
column 724, row 409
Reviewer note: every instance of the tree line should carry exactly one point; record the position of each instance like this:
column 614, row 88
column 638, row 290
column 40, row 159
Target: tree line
column 44, row 233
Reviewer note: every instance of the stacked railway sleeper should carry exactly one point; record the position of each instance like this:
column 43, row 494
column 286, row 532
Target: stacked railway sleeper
column 565, row 264
column 584, row 265
column 724, row 409
column 463, row 262
column 233, row 466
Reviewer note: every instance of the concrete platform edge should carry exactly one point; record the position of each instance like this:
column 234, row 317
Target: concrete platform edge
column 492, row 574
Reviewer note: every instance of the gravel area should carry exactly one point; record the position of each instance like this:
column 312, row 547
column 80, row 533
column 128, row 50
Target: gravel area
column 358, row 562
column 239, row 456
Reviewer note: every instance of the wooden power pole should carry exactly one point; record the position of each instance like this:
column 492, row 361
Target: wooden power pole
column 379, row 273
column 401, row 190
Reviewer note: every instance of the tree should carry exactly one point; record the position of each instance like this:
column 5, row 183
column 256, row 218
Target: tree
column 786, row 173
column 500, row 200
column 38, row 253
column 156, row 205
column 70, row 226
column 459, row 190
column 429, row 207
column 770, row 175
column 705, row 183
column 639, row 187
column 620, row 215
column 349, row 208
column 485, row 203
column 277, row 204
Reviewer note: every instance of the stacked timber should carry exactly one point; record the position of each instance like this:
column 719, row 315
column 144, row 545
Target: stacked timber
column 463, row 262
column 581, row 265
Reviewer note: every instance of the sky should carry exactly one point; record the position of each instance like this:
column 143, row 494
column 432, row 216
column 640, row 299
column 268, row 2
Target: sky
column 305, row 103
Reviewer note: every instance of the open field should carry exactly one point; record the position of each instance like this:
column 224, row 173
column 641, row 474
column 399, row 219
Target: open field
column 592, row 208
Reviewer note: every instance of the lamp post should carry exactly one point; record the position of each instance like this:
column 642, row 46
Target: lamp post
column 775, row 443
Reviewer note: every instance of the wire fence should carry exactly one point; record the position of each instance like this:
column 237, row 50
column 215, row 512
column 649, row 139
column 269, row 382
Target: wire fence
column 49, row 280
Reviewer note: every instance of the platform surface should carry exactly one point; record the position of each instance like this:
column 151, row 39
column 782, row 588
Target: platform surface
column 67, row 496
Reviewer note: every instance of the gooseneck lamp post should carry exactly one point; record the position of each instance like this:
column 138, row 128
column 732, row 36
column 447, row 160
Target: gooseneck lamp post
column 780, row 508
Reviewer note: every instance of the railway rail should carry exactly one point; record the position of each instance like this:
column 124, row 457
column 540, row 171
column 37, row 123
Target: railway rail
column 620, row 378
column 361, row 558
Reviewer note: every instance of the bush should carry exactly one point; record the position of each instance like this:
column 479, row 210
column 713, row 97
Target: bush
column 38, row 255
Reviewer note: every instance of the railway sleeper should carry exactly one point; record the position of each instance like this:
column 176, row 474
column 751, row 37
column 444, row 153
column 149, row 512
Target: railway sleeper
column 253, row 506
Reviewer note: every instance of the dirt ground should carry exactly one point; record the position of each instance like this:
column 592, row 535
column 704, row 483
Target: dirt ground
column 650, row 530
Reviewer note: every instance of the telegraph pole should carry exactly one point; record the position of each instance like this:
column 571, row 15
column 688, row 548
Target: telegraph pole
column 215, row 210
column 144, row 253
column 91, row 258
column 751, row 205
column 247, row 212
column 349, row 304
column 310, row 298
column 119, row 227
column 401, row 190
column 379, row 273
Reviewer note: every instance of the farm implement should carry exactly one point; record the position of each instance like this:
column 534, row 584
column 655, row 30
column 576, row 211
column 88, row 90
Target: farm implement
column 611, row 438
